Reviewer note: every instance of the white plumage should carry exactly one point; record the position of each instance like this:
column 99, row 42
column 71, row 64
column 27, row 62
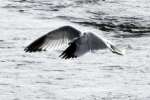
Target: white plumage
column 79, row 43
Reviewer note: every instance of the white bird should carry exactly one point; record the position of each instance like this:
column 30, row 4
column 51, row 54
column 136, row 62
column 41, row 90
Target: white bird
column 78, row 43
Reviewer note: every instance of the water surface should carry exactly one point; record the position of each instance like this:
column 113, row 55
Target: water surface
column 94, row 76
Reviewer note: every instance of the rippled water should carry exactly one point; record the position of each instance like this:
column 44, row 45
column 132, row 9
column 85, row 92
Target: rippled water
column 94, row 76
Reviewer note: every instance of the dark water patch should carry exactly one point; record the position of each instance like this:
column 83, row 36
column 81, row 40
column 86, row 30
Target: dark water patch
column 105, row 22
column 2, row 61
column 44, row 17
column 23, row 1
column 19, row 38
column 59, row 70
column 47, row 10
column 79, row 2
column 10, row 60
column 2, row 47
column 133, row 28
column 16, row 6
column 4, row 84
column 18, row 65
column 10, row 6
column 31, row 62
column 129, row 19
column 131, row 35
column 59, row 78
column 71, row 18
column 124, row 27
column 112, row 67
column 7, row 45
column 48, row 82
column 22, row 10
column 102, row 26
column 48, row 70
column 49, row 7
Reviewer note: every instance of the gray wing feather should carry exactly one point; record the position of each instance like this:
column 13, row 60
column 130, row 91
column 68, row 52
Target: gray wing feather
column 96, row 42
column 89, row 42
column 86, row 43
column 101, row 43
column 55, row 38
column 82, row 45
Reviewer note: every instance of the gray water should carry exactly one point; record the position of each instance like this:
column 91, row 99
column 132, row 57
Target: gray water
column 95, row 76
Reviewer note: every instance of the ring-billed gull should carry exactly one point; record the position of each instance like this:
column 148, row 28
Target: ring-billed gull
column 78, row 43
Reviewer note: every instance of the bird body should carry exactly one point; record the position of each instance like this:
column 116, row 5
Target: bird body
column 79, row 43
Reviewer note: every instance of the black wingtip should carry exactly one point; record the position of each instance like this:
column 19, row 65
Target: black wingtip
column 69, row 52
column 66, row 56
column 28, row 49
column 36, row 46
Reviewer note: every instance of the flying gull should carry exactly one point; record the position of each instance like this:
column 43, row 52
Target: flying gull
column 78, row 43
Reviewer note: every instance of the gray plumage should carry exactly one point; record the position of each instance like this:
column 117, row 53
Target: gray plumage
column 58, row 37
column 78, row 44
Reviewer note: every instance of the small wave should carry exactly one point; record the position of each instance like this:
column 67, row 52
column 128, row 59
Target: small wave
column 129, row 35
column 5, row 44
column 134, row 30
column 131, row 26
column 112, row 67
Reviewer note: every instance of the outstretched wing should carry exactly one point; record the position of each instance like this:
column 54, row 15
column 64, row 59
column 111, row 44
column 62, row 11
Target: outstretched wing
column 86, row 43
column 55, row 38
